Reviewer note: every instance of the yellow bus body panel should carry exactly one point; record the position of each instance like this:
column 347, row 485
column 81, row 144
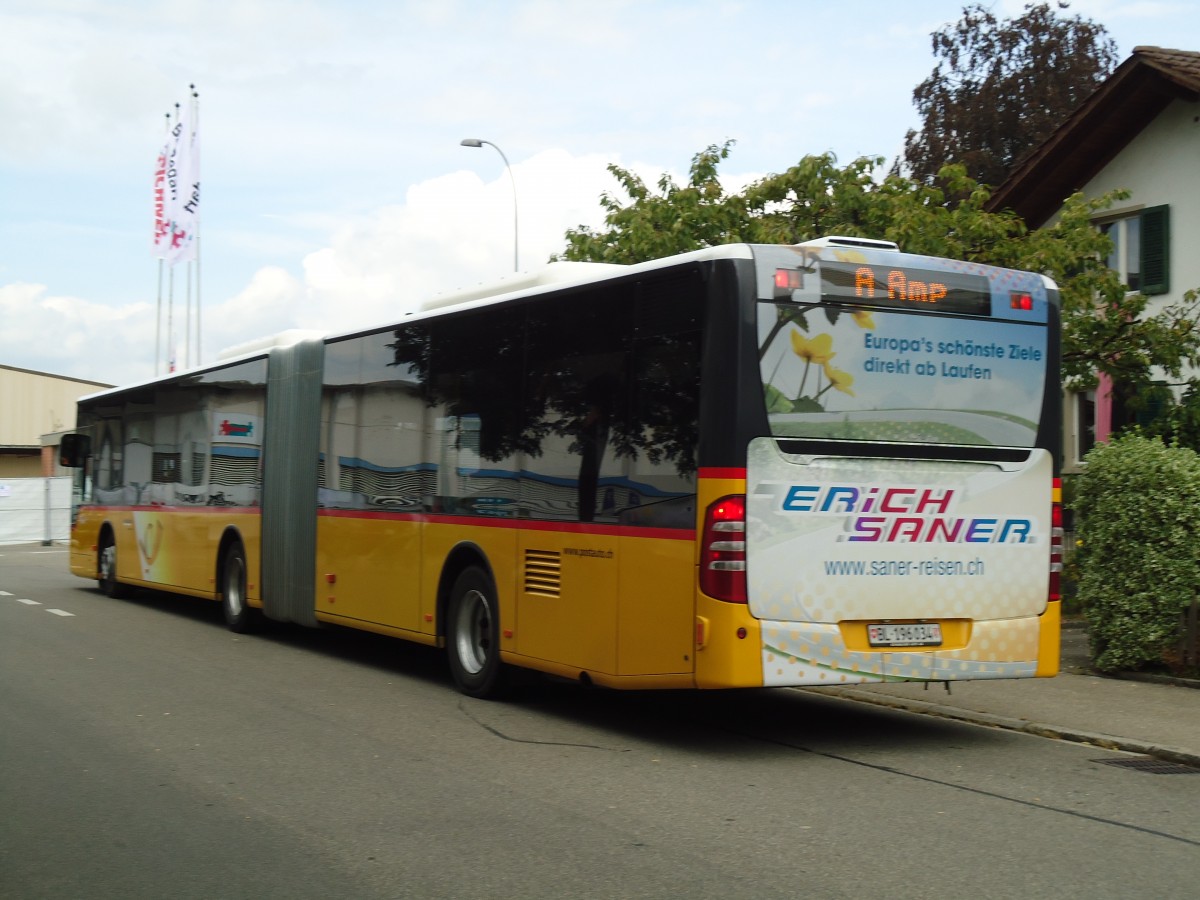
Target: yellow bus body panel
column 731, row 655
column 167, row 549
column 498, row 546
column 570, row 619
column 85, row 538
column 368, row 572
column 1050, row 640
column 614, row 603
column 724, row 658
column 656, row 606
column 609, row 602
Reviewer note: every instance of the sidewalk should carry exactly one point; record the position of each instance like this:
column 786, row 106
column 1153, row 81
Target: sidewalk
column 1160, row 720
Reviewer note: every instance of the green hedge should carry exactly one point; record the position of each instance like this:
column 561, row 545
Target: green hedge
column 1138, row 518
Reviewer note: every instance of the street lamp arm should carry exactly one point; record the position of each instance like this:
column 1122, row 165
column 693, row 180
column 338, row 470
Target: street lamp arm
column 478, row 142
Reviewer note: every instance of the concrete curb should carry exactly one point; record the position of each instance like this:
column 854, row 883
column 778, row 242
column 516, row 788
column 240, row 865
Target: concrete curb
column 1055, row 732
column 1152, row 678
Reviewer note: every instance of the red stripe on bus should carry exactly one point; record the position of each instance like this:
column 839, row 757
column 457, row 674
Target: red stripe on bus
column 173, row 510
column 722, row 473
column 670, row 534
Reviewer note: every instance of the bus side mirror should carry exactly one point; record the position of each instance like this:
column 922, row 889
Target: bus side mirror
column 73, row 451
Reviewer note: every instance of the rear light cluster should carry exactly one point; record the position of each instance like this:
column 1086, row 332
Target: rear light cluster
column 1056, row 542
column 723, row 550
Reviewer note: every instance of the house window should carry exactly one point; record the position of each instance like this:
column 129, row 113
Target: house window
column 1125, row 257
column 1085, row 423
column 1143, row 408
column 1140, row 252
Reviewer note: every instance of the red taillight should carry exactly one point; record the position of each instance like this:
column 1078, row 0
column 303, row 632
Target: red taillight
column 1056, row 542
column 723, row 550
column 788, row 280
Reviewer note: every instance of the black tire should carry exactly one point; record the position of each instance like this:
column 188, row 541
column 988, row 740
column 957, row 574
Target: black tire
column 239, row 616
column 473, row 636
column 106, row 569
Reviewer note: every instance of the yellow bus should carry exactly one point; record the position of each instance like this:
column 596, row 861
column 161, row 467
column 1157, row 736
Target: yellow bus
column 749, row 465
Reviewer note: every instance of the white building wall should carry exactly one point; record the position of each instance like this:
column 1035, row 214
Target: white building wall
column 1161, row 166
column 33, row 404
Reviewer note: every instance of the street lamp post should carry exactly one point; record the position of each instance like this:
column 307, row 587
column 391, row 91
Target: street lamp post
column 476, row 142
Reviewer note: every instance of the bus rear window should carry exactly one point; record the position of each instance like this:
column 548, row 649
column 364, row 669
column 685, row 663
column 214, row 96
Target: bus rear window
column 834, row 371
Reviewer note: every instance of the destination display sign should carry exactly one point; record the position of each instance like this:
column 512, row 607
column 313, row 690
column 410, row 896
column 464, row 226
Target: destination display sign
column 861, row 283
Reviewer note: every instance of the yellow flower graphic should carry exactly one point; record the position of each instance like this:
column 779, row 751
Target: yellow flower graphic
column 863, row 318
column 818, row 350
column 839, row 380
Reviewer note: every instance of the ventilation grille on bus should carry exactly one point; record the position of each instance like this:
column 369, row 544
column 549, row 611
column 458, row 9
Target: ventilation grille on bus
column 543, row 573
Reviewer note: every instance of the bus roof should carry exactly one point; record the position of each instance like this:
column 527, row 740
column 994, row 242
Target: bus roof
column 553, row 276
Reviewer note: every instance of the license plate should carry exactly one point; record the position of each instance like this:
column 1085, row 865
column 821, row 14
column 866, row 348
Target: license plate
column 922, row 634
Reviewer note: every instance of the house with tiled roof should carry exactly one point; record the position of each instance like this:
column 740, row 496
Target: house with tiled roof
column 1140, row 131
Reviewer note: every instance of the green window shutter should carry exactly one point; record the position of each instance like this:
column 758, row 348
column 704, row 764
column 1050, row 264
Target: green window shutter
column 1156, row 257
column 1152, row 405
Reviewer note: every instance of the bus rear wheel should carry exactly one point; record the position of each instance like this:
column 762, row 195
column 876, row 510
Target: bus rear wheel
column 106, row 569
column 473, row 636
column 239, row 616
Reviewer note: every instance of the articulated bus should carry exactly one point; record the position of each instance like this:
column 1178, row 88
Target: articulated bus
column 746, row 466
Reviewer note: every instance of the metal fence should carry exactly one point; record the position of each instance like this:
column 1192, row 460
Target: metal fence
column 35, row 509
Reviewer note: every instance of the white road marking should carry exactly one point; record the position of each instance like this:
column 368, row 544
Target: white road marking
column 28, row 602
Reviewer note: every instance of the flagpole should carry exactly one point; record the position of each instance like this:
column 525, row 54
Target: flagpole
column 198, row 360
column 158, row 323
column 170, row 320
column 187, row 328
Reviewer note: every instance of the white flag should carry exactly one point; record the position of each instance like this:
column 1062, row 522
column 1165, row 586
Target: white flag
column 162, row 215
column 177, row 192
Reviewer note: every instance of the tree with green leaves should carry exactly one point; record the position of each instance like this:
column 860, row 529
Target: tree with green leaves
column 1104, row 328
column 1000, row 87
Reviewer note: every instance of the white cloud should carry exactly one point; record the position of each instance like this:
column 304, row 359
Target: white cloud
column 451, row 232
column 75, row 337
column 266, row 306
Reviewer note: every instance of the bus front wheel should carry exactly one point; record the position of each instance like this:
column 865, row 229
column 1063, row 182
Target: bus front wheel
column 106, row 569
column 473, row 636
column 239, row 616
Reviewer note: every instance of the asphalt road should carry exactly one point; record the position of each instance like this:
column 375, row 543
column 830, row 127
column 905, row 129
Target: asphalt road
column 147, row 752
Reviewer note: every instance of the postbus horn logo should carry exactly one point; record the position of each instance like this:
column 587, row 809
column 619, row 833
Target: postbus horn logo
column 233, row 429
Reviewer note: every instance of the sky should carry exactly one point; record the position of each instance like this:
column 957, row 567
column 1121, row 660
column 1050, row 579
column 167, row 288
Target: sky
column 335, row 192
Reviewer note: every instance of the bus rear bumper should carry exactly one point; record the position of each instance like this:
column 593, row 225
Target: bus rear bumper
column 808, row 654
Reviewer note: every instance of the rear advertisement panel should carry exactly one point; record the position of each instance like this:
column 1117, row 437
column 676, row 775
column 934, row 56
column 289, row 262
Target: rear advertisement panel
column 878, row 347
column 881, row 543
column 840, row 538
column 874, row 566
column 891, row 376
